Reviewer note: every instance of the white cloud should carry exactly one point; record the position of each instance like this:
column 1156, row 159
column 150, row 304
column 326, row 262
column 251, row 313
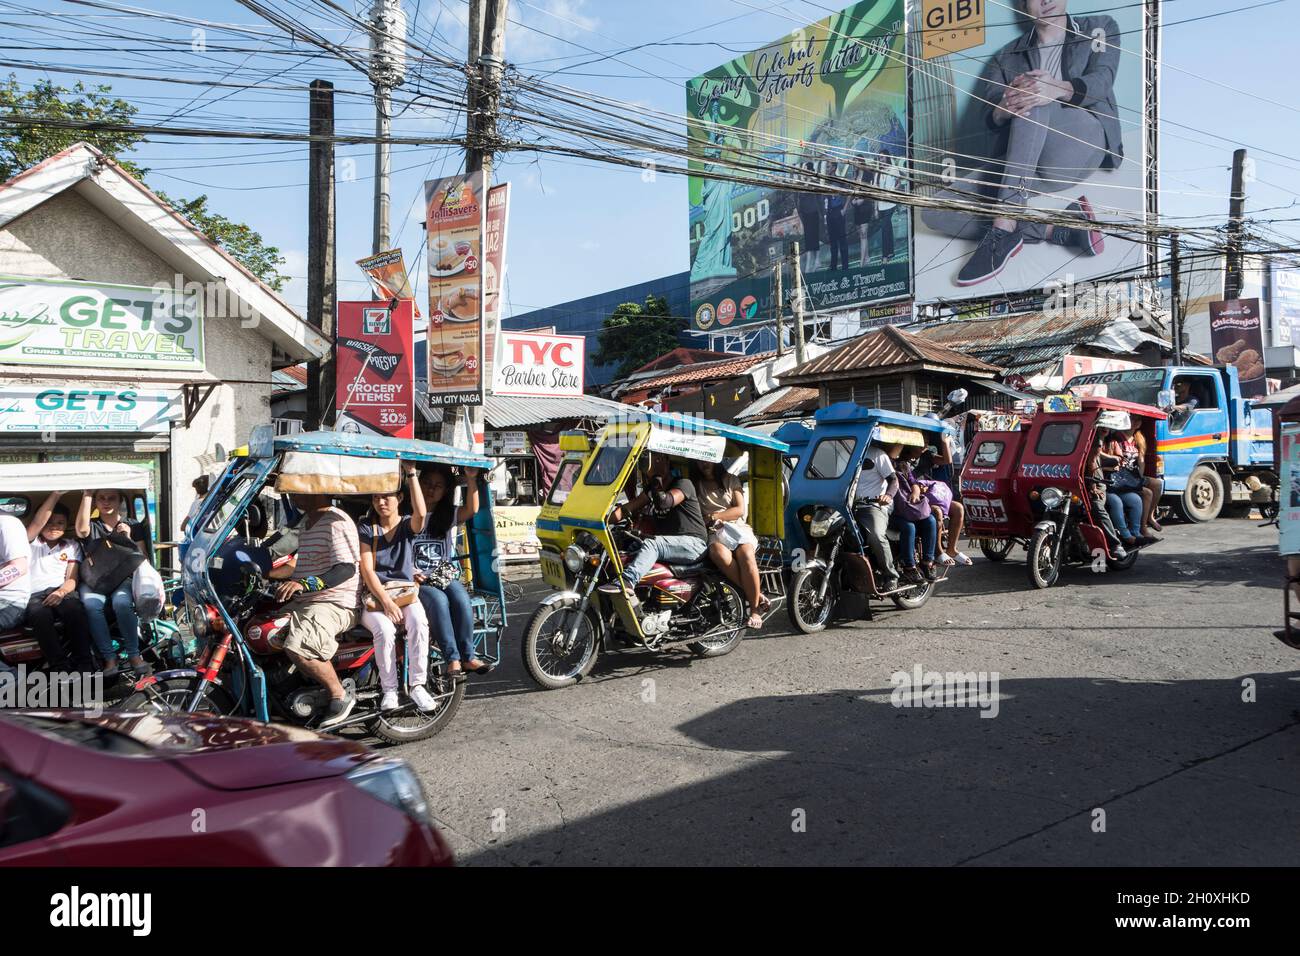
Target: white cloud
column 562, row 19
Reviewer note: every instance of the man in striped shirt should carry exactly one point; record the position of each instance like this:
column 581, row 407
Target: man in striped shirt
column 322, row 589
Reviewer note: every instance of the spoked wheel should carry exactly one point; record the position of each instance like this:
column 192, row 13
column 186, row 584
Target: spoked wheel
column 1044, row 569
column 552, row 657
column 808, row 612
column 729, row 613
column 996, row 549
column 172, row 696
column 914, row 596
column 409, row 724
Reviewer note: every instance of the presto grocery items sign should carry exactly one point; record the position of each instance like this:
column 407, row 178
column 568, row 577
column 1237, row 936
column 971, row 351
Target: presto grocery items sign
column 63, row 322
column 375, row 391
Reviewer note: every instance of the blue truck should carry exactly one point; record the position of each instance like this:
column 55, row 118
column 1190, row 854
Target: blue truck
column 1217, row 449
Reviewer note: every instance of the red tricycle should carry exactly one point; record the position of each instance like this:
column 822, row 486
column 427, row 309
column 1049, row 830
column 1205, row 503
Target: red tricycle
column 1027, row 482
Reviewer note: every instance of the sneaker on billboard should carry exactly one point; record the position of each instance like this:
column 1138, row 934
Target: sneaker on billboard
column 991, row 255
column 1090, row 242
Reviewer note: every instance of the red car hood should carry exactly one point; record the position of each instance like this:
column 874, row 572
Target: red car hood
column 228, row 753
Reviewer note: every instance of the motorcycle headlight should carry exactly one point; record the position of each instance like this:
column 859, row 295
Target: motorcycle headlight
column 395, row 783
column 1052, row 497
column 820, row 526
column 574, row 555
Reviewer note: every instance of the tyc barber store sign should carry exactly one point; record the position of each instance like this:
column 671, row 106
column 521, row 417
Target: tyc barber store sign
column 61, row 322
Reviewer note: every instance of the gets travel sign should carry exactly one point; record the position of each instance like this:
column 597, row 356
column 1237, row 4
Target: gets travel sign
column 62, row 322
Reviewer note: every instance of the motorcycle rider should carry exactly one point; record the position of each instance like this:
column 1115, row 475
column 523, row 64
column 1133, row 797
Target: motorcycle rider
column 680, row 535
column 877, row 485
column 322, row 592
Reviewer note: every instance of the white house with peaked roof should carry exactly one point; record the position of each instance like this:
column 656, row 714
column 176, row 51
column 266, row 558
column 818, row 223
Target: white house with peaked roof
column 125, row 334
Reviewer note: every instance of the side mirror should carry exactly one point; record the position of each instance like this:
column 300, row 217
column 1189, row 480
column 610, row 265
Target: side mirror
column 958, row 395
column 1165, row 398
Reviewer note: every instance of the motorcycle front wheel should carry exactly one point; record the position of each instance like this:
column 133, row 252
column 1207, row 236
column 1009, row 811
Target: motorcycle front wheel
column 808, row 613
column 1044, row 569
column 549, row 657
column 171, row 697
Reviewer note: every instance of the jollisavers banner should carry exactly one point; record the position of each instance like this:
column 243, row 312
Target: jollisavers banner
column 454, row 216
column 62, row 322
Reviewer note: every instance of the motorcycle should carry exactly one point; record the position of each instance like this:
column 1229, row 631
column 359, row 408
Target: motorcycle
column 692, row 605
column 828, row 553
column 242, row 668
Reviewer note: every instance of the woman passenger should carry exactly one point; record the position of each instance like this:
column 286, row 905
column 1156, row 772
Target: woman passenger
column 732, row 543
column 1124, row 498
column 912, row 516
column 111, row 520
column 1152, row 488
column 387, row 539
column 445, row 600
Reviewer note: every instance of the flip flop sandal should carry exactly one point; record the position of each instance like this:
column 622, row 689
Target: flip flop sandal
column 479, row 671
column 963, row 558
column 946, row 561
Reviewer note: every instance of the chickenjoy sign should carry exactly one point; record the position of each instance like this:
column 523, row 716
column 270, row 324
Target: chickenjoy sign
column 540, row 365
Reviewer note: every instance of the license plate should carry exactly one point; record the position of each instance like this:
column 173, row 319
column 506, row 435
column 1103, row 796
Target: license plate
column 985, row 510
column 553, row 571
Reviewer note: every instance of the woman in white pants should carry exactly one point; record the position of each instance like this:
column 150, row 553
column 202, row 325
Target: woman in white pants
column 387, row 554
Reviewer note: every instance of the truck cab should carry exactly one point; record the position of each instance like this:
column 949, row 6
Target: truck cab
column 1216, row 448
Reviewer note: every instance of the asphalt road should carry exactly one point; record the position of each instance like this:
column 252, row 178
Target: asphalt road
column 1125, row 732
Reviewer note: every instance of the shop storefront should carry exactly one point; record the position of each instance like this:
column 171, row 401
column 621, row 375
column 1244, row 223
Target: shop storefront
column 125, row 335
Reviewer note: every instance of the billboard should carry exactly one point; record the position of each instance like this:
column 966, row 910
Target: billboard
column 454, row 210
column 1237, row 338
column 1285, row 302
column 535, row 364
column 375, row 370
column 65, row 322
column 829, row 100
column 1041, row 114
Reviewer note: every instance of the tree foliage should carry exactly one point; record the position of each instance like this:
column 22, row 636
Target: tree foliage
column 22, row 147
column 634, row 334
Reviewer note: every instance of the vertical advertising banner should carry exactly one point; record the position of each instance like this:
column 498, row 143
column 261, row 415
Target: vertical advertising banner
column 1045, row 114
column 1237, row 339
column 829, row 100
column 1286, row 306
column 375, row 369
column 494, row 270
column 454, row 211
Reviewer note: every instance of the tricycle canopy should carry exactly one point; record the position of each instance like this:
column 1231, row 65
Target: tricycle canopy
column 365, row 446
column 72, row 476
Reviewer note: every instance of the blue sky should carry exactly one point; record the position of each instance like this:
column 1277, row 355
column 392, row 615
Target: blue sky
column 578, row 228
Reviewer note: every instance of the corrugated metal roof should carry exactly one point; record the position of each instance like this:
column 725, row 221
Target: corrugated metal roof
column 501, row 411
column 702, row 372
column 781, row 403
column 1021, row 343
column 884, row 349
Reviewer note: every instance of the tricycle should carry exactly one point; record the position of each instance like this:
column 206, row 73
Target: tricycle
column 587, row 542
column 1028, row 483
column 25, row 489
column 242, row 668
column 828, row 552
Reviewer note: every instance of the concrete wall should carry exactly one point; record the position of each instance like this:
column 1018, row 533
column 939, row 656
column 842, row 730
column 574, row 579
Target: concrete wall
column 69, row 238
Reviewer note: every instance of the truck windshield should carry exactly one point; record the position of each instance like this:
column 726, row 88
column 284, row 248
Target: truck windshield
column 1136, row 385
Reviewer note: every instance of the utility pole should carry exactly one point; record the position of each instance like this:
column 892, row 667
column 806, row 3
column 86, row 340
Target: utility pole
column 778, row 303
column 1232, row 279
column 1175, row 300
column 798, row 308
column 321, row 291
column 387, row 71
column 487, row 44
